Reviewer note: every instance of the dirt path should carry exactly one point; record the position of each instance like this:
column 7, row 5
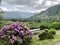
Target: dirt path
column 57, row 43
column 58, row 33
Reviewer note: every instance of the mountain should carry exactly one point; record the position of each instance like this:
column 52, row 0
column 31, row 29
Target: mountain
column 17, row 15
column 29, row 9
column 52, row 13
column 46, row 3
column 27, row 5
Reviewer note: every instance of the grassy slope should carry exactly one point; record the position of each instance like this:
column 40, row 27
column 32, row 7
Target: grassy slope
column 38, row 42
column 44, row 42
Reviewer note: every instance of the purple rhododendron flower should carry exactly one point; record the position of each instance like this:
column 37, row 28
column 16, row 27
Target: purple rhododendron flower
column 1, row 33
column 20, row 40
column 11, row 41
column 2, row 36
column 16, row 32
column 21, row 34
column 14, row 38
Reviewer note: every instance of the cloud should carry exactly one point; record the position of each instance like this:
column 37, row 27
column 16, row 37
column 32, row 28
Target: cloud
column 3, row 8
column 28, row 5
column 46, row 4
column 16, row 7
column 23, row 2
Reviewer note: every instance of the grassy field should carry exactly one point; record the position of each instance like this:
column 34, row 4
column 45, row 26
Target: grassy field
column 34, row 40
column 41, row 42
column 45, row 42
column 34, row 25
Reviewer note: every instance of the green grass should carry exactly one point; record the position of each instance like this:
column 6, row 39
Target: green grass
column 42, row 42
column 34, row 40
column 7, row 22
column 45, row 42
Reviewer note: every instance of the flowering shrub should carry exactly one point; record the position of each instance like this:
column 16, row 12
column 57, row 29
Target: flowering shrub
column 15, row 33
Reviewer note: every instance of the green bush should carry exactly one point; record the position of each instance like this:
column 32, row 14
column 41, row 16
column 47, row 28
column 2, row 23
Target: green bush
column 1, row 19
column 55, row 25
column 53, row 31
column 50, row 36
column 42, row 27
column 46, row 35
column 52, row 25
column 33, row 26
column 14, row 20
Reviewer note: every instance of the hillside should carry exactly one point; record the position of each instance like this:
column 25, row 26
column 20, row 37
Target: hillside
column 51, row 14
column 17, row 15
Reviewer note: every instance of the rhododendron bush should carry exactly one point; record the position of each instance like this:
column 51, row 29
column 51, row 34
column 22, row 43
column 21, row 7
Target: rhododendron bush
column 15, row 33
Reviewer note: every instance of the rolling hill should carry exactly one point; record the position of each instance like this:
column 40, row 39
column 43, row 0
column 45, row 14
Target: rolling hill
column 51, row 14
column 17, row 15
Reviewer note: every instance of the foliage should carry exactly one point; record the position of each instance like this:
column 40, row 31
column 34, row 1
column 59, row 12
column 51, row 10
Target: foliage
column 50, row 25
column 14, row 20
column 55, row 25
column 15, row 34
column 0, row 0
column 43, row 27
column 1, row 18
column 53, row 31
column 34, row 27
column 46, row 35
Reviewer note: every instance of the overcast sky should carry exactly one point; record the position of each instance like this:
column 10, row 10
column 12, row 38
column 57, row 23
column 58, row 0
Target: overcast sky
column 27, row 5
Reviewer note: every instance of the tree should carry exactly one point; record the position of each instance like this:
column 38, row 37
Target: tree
column 1, row 18
column 0, row 0
column 1, row 13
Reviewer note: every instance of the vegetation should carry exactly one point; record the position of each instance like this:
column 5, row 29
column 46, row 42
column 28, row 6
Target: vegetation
column 56, row 38
column 46, row 35
column 36, row 25
column 53, row 31
column 1, row 19
column 15, row 34
column 46, row 41
column 51, row 14
column 18, row 34
column 0, row 0
column 42, row 25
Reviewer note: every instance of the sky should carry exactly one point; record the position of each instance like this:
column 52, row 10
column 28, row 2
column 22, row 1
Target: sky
column 34, row 6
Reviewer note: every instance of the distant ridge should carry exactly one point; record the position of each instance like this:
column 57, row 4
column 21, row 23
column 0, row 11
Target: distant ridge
column 52, row 13
column 17, row 15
